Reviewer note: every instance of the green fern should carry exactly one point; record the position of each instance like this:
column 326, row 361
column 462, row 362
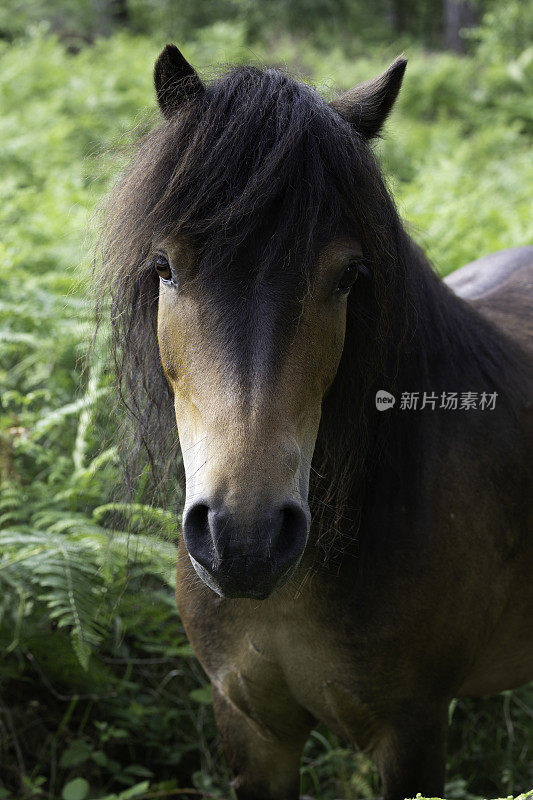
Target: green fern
column 77, row 571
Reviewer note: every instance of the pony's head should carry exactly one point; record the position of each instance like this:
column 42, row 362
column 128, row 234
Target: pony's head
column 245, row 239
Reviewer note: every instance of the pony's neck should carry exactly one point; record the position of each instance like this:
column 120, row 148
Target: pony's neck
column 435, row 344
column 448, row 346
column 439, row 337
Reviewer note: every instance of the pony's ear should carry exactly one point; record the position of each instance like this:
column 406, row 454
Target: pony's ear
column 175, row 81
column 367, row 106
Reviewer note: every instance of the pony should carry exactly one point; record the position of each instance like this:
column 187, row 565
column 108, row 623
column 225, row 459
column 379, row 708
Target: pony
column 355, row 432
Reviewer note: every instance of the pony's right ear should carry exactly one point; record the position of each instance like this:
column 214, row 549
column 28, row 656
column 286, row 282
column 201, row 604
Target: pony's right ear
column 175, row 81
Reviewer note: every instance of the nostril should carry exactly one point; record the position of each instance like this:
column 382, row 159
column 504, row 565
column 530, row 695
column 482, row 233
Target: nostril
column 196, row 520
column 197, row 534
column 292, row 535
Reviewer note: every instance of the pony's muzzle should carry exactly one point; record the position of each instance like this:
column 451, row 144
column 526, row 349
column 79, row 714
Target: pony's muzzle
column 238, row 557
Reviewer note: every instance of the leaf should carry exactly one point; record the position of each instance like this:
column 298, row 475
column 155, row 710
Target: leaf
column 202, row 695
column 138, row 770
column 82, row 649
column 135, row 791
column 59, row 414
column 77, row 789
column 77, row 752
column 100, row 758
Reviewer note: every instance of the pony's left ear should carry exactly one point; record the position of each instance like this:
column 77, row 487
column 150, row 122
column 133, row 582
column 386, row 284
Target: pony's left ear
column 367, row 106
column 175, row 81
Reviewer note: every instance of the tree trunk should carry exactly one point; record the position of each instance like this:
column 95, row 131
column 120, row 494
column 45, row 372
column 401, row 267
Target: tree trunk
column 458, row 14
column 118, row 11
column 398, row 14
column 110, row 15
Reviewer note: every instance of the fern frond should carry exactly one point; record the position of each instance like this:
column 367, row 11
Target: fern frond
column 58, row 414
column 78, row 571
column 140, row 515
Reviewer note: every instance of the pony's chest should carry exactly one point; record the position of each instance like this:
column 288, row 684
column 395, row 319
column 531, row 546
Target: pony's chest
column 270, row 672
column 285, row 657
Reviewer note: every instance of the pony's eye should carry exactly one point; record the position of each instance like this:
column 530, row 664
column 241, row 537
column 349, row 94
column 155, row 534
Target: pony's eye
column 162, row 266
column 348, row 278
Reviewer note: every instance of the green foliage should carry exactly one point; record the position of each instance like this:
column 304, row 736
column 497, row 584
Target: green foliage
column 99, row 693
column 82, row 21
column 506, row 31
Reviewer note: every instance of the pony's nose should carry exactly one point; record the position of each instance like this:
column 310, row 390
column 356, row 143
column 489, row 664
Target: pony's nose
column 238, row 558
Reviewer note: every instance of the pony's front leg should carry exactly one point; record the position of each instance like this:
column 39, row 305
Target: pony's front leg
column 411, row 756
column 264, row 760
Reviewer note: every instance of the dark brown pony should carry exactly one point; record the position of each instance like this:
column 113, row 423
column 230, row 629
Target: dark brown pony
column 344, row 559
